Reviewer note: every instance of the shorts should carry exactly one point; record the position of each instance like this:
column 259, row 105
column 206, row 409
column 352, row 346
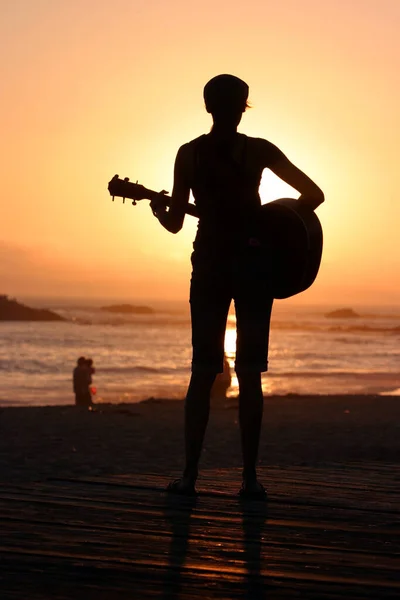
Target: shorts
column 217, row 280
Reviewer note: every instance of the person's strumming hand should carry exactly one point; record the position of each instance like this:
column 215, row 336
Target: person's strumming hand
column 158, row 204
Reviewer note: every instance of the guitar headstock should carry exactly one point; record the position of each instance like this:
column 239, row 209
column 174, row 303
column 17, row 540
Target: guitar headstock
column 123, row 188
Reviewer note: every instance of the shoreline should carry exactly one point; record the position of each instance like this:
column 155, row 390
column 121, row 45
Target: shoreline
column 226, row 401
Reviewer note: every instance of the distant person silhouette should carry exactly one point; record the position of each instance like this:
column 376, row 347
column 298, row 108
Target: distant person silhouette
column 81, row 381
column 223, row 169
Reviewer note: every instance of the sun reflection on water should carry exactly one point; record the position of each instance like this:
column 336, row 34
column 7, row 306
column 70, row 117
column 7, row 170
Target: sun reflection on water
column 230, row 344
column 230, row 352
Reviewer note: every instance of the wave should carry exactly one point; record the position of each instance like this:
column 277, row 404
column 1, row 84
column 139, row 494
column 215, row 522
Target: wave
column 323, row 328
column 116, row 322
column 28, row 367
column 365, row 329
column 373, row 323
column 373, row 375
column 278, row 325
column 131, row 370
column 35, row 367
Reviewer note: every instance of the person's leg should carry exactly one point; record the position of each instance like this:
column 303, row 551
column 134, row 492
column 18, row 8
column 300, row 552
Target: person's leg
column 80, row 399
column 209, row 303
column 250, row 418
column 253, row 304
column 197, row 409
column 88, row 398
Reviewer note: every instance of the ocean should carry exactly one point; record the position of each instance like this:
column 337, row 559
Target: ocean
column 142, row 356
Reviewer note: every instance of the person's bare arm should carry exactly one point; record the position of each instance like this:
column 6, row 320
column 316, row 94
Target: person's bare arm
column 172, row 218
column 310, row 194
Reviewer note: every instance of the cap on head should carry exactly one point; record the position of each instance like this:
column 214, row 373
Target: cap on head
column 225, row 92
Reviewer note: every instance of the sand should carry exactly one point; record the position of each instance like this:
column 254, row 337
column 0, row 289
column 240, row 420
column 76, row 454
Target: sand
column 37, row 443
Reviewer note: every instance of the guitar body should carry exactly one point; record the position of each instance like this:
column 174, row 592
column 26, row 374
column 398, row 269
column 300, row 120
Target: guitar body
column 292, row 238
column 290, row 234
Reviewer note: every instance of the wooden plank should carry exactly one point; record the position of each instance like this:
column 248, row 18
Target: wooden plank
column 114, row 537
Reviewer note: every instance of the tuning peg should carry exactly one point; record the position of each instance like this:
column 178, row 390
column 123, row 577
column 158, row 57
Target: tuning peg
column 123, row 200
column 134, row 202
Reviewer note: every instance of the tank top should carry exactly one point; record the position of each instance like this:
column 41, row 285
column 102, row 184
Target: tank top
column 225, row 179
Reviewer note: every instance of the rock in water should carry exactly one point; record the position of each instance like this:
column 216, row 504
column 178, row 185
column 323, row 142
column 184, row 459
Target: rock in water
column 128, row 309
column 11, row 310
column 342, row 313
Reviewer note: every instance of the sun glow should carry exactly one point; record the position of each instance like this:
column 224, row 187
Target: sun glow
column 130, row 111
column 272, row 187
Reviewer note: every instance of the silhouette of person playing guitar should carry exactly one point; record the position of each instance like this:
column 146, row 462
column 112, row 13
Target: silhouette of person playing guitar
column 223, row 169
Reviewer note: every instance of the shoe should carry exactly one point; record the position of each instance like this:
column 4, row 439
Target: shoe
column 253, row 491
column 182, row 487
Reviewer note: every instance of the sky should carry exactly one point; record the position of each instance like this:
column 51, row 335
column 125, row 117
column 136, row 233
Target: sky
column 89, row 89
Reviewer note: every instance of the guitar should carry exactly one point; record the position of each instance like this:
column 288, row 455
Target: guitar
column 123, row 188
column 291, row 235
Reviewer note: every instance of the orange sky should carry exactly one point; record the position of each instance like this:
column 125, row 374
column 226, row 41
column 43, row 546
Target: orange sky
column 90, row 89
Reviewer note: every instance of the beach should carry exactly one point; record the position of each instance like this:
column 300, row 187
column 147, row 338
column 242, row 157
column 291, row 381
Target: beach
column 37, row 443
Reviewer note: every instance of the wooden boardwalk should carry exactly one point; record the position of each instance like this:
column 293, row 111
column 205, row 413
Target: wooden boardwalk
column 325, row 533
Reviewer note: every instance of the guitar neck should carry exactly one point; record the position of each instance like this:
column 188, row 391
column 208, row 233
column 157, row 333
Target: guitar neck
column 190, row 209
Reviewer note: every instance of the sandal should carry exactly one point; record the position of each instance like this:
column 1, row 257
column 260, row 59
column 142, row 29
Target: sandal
column 181, row 487
column 254, row 491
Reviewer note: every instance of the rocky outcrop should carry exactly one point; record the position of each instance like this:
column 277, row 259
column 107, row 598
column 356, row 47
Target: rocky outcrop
column 11, row 310
column 128, row 309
